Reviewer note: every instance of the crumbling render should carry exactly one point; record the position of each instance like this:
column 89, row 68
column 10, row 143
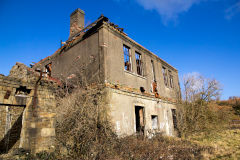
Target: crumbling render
column 137, row 91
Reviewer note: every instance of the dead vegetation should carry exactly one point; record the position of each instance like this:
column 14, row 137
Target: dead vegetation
column 233, row 102
column 198, row 111
column 84, row 131
column 205, row 120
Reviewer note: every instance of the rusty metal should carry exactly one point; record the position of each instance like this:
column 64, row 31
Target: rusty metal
column 155, row 91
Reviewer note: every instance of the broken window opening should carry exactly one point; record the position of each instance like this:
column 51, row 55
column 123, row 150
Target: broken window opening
column 154, row 83
column 154, row 122
column 171, row 79
column 174, row 117
column 48, row 70
column 165, row 76
column 139, row 115
column 127, row 58
column 22, row 90
column 139, row 63
column 21, row 95
column 153, row 71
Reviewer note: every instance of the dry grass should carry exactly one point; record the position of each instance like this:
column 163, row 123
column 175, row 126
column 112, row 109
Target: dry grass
column 226, row 143
column 209, row 125
column 159, row 148
column 234, row 103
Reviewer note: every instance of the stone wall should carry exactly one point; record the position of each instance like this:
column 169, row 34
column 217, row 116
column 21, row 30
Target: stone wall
column 38, row 130
column 27, row 114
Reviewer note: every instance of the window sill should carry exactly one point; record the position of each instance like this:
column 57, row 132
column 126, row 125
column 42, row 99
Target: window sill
column 134, row 74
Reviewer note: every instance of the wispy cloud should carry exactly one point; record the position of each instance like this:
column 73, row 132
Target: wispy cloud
column 232, row 11
column 168, row 9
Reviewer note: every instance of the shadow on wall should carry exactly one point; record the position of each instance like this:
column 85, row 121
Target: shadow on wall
column 12, row 136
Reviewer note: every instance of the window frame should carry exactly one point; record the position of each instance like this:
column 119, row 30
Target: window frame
column 139, row 66
column 153, row 70
column 165, row 76
column 171, row 82
column 127, row 57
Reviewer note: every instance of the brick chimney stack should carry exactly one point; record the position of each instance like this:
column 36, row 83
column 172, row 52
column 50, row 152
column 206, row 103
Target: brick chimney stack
column 76, row 21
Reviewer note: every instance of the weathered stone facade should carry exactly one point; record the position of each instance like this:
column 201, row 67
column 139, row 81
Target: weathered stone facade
column 27, row 111
column 143, row 89
column 103, row 53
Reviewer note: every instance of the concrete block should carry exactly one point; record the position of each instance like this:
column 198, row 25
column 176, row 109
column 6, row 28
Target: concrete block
column 46, row 132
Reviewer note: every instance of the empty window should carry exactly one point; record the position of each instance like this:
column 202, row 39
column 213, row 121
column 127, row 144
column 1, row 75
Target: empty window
column 48, row 70
column 171, row 79
column 153, row 71
column 139, row 63
column 127, row 58
column 154, row 122
column 174, row 117
column 165, row 76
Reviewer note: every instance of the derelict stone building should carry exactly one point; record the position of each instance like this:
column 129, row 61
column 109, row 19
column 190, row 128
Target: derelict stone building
column 143, row 88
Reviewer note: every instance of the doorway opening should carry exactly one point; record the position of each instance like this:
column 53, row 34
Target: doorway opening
column 139, row 114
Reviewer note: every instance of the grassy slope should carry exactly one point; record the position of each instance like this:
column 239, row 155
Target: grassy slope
column 226, row 143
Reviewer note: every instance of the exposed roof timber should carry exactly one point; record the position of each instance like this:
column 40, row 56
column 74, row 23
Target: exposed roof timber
column 115, row 28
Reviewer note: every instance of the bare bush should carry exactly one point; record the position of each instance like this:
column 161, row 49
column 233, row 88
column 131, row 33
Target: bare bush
column 83, row 129
column 198, row 112
column 193, row 118
column 198, row 88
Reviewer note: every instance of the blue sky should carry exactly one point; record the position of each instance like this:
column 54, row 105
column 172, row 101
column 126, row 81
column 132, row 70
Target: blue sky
column 192, row 35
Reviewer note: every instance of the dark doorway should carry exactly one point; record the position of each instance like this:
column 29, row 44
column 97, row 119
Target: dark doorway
column 174, row 117
column 139, row 114
column 12, row 136
column 175, row 122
